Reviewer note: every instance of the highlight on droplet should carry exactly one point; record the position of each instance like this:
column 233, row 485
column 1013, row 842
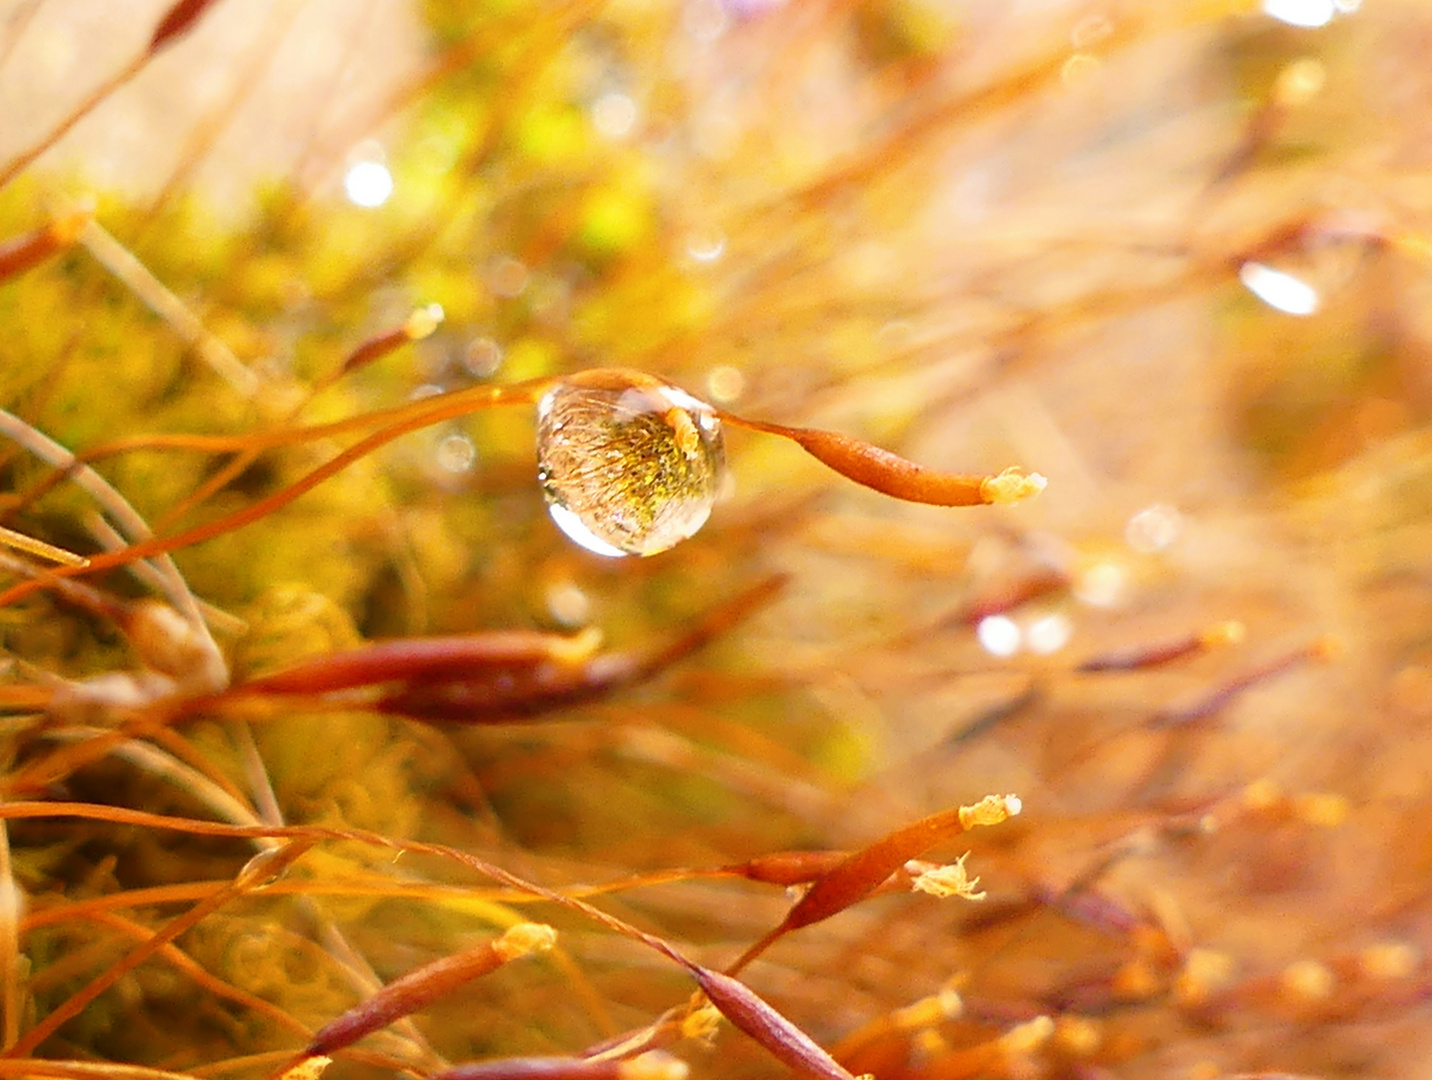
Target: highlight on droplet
column 1279, row 289
column 1306, row 13
column 629, row 465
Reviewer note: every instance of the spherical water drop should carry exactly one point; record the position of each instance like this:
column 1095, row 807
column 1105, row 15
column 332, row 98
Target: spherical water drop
column 629, row 465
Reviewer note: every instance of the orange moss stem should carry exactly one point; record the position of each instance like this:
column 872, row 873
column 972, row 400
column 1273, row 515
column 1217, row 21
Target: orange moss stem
column 22, row 252
column 890, row 474
column 422, row 986
column 858, row 875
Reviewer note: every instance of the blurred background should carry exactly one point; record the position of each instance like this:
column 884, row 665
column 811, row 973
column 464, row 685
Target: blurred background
column 1173, row 257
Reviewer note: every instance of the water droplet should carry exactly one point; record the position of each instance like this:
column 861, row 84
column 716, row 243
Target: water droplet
column 1153, row 529
column 507, row 277
column 614, row 115
column 482, row 357
column 706, row 245
column 705, row 20
column 725, row 384
column 1102, row 584
column 455, row 454
column 629, row 465
column 1049, row 634
column 568, row 604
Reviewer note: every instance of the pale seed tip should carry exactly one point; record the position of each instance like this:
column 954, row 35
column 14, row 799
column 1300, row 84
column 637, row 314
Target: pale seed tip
column 1231, row 632
column 950, row 880
column 423, row 321
column 1012, row 486
column 308, row 1069
column 653, row 1065
column 524, row 939
column 578, row 648
column 990, row 810
column 1028, row 1037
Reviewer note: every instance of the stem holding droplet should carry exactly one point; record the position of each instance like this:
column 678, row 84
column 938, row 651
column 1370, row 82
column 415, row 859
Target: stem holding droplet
column 890, row 474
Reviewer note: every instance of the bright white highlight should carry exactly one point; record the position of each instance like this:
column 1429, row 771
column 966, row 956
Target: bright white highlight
column 368, row 184
column 579, row 534
column 999, row 635
column 1279, row 290
column 1307, row 13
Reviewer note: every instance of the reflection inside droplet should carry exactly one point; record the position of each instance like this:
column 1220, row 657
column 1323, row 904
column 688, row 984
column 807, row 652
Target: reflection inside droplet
column 628, row 464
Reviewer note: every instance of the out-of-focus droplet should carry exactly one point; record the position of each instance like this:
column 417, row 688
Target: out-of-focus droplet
column 1078, row 68
column 1306, row 13
column 706, row 245
column 568, row 604
column 1299, row 82
column 1102, row 584
column 629, row 465
column 725, row 384
column 507, row 277
column 455, row 454
column 1153, row 529
column 1049, row 634
column 482, row 357
column 614, row 115
column 705, row 20
column 368, row 184
column 1278, row 289
column 999, row 634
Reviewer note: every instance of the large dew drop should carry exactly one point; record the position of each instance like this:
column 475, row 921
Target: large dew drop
column 629, row 465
